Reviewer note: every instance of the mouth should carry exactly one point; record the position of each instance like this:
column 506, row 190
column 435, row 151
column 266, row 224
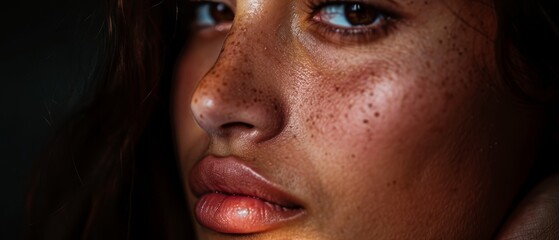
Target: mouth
column 235, row 199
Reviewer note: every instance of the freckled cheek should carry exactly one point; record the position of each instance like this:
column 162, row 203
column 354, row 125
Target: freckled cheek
column 374, row 123
column 357, row 116
column 356, row 132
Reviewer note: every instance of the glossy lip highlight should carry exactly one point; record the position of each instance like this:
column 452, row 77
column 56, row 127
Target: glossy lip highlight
column 233, row 198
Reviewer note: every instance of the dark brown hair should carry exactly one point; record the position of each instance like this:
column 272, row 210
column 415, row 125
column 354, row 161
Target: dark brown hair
column 527, row 53
column 111, row 173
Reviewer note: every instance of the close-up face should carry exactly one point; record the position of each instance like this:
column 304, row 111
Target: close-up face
column 373, row 119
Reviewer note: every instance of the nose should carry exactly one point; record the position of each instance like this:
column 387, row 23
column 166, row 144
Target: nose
column 237, row 99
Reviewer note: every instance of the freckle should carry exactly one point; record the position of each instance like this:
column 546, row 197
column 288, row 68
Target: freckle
column 365, row 121
column 350, row 106
column 218, row 90
column 370, row 105
column 331, row 115
column 377, row 114
column 312, row 135
column 196, row 100
column 352, row 155
column 346, row 116
column 201, row 116
column 294, row 136
column 224, row 84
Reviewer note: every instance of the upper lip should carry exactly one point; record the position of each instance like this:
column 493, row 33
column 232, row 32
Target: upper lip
column 233, row 177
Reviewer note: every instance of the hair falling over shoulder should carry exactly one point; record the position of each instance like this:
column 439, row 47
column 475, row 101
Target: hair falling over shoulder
column 109, row 172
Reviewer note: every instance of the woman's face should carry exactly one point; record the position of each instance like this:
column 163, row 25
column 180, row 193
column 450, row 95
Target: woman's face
column 377, row 119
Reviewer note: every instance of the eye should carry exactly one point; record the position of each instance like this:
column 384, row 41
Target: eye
column 349, row 15
column 210, row 14
column 351, row 22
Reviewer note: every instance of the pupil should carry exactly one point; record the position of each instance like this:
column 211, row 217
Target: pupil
column 360, row 14
column 221, row 13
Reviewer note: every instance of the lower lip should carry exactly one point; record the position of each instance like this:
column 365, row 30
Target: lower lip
column 241, row 214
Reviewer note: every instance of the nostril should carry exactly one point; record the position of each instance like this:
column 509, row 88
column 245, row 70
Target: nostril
column 241, row 125
column 227, row 114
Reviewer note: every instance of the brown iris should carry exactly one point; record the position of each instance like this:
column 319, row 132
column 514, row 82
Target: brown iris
column 221, row 13
column 360, row 14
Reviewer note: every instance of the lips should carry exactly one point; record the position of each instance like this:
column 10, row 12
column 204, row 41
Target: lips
column 233, row 198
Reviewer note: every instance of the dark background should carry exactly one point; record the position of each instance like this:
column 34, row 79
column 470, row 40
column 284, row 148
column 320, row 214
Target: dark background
column 48, row 49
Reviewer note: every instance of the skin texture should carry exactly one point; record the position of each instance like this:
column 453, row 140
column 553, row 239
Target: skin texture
column 537, row 217
column 409, row 134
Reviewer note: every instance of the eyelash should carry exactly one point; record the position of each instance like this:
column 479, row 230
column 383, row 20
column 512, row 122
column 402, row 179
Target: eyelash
column 349, row 35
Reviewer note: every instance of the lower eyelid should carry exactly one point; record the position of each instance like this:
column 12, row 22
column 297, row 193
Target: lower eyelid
column 224, row 27
column 211, row 33
column 351, row 36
